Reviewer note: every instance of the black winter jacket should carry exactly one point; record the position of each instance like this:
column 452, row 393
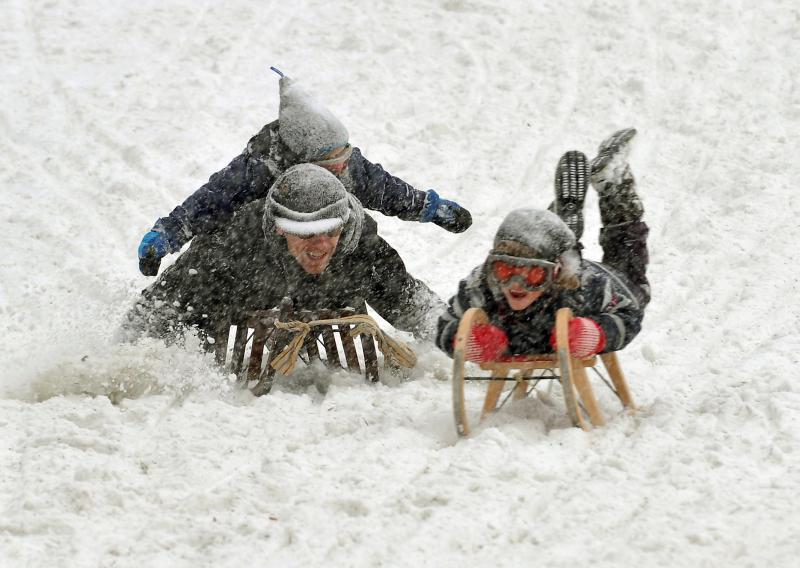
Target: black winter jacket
column 239, row 269
column 604, row 296
column 249, row 176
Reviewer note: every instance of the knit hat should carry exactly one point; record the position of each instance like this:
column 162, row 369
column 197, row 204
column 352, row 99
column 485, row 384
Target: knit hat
column 307, row 128
column 539, row 234
column 309, row 200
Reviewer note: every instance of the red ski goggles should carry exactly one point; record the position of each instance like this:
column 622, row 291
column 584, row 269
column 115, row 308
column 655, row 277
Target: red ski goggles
column 531, row 273
column 337, row 164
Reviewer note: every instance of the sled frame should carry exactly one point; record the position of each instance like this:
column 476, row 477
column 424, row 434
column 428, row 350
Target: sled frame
column 581, row 404
column 258, row 328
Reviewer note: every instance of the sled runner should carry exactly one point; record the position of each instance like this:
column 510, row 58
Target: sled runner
column 287, row 335
column 519, row 371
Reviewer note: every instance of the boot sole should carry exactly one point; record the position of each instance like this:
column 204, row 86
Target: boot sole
column 572, row 180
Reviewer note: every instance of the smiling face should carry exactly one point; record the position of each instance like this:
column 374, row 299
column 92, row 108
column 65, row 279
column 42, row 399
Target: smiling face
column 313, row 253
column 519, row 298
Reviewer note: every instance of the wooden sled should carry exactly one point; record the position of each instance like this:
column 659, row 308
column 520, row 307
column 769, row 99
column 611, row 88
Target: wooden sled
column 519, row 371
column 258, row 331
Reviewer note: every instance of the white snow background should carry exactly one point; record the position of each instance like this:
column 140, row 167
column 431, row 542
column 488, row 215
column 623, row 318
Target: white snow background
column 113, row 112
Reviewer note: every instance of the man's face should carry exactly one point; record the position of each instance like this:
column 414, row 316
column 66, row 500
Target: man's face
column 313, row 253
column 518, row 298
column 336, row 161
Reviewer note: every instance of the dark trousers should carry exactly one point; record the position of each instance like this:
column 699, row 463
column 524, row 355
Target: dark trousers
column 625, row 251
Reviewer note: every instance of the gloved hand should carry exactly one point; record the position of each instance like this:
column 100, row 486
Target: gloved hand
column 152, row 249
column 586, row 338
column 486, row 343
column 449, row 215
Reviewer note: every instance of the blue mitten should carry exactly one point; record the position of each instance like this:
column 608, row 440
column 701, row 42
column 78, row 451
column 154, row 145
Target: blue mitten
column 449, row 215
column 152, row 249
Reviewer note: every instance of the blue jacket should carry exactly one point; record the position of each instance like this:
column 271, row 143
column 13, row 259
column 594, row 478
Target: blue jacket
column 249, row 176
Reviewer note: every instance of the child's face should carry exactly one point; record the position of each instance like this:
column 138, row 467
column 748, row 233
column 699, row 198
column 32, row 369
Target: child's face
column 519, row 298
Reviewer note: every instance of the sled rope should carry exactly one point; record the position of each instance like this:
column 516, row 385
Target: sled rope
column 393, row 350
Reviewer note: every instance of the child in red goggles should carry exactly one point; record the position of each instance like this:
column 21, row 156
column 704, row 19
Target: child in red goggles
column 535, row 268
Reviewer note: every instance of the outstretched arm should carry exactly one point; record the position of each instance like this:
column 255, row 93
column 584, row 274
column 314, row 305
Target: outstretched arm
column 245, row 179
column 380, row 191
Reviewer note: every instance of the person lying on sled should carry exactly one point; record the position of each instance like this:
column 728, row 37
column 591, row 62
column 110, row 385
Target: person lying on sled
column 535, row 268
column 304, row 132
column 310, row 240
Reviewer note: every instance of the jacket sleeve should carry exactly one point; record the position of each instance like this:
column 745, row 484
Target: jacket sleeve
column 380, row 191
column 404, row 301
column 612, row 304
column 470, row 295
column 245, row 179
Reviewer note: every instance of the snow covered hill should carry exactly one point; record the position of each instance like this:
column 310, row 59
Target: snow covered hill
column 128, row 456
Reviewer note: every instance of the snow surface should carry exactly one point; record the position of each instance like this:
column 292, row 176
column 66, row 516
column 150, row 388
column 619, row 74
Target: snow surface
column 128, row 456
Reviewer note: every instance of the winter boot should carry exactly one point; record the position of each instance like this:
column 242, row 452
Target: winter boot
column 572, row 179
column 611, row 176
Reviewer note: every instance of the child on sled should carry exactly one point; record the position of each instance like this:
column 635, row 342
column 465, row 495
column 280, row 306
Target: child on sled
column 535, row 268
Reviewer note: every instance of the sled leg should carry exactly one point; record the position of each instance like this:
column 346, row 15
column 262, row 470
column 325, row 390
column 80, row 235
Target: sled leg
column 239, row 344
column 493, row 392
column 618, row 379
column 586, row 395
column 521, row 386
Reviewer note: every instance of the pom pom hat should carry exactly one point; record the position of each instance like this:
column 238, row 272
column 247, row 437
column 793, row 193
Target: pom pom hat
column 307, row 128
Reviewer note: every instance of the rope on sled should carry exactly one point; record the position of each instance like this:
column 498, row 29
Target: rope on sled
column 393, row 350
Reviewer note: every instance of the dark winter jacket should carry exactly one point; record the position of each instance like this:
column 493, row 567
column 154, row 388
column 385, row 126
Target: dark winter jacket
column 239, row 269
column 250, row 175
column 604, row 296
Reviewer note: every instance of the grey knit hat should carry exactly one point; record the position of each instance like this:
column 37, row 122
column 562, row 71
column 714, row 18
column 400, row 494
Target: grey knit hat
column 306, row 127
column 309, row 200
column 539, row 234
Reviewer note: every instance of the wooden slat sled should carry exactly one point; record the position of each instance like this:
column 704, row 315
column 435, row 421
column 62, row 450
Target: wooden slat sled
column 255, row 337
column 518, row 371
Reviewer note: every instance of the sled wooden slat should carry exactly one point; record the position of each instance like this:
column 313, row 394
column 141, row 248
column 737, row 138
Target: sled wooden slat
column 587, row 396
column 221, row 342
column 521, row 387
column 277, row 340
column 239, row 344
column 618, row 379
column 370, row 358
column 311, row 346
column 257, row 351
column 329, row 341
column 493, row 391
column 531, row 364
column 350, row 354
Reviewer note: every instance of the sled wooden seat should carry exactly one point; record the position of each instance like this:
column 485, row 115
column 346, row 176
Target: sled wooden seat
column 257, row 330
column 579, row 400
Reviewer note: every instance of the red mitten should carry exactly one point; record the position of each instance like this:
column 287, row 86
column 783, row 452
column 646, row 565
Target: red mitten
column 486, row 343
column 586, row 338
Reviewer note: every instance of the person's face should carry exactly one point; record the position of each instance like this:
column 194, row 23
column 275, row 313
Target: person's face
column 519, row 298
column 336, row 161
column 313, row 253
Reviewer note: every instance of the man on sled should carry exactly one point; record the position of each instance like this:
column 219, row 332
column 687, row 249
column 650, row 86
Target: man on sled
column 308, row 240
column 535, row 268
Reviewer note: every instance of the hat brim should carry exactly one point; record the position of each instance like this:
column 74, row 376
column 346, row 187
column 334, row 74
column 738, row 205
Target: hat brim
column 305, row 228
